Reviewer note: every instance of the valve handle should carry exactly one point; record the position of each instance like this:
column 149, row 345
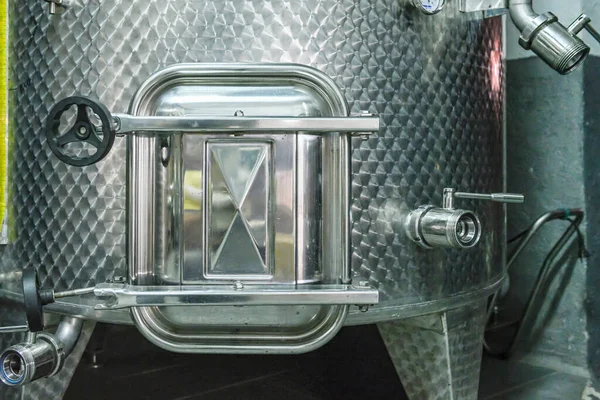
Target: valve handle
column 34, row 299
column 584, row 22
column 83, row 130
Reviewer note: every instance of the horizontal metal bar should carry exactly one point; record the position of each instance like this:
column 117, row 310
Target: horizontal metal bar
column 14, row 329
column 499, row 197
column 75, row 292
column 124, row 296
column 247, row 125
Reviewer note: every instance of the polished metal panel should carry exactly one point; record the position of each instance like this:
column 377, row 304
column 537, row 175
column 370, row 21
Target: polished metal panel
column 237, row 224
column 435, row 81
column 240, row 182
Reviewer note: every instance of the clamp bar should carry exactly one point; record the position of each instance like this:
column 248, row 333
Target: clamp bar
column 124, row 296
column 126, row 123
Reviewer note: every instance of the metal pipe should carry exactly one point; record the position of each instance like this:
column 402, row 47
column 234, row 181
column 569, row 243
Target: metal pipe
column 40, row 356
column 521, row 12
column 556, row 45
column 68, row 332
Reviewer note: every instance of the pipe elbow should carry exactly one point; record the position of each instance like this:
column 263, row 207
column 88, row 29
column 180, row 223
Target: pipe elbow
column 521, row 13
column 543, row 34
column 27, row 362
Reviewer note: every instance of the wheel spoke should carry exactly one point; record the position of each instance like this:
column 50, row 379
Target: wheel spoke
column 94, row 140
column 82, row 115
column 67, row 138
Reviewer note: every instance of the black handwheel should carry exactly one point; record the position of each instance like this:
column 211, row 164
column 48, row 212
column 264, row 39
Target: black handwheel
column 82, row 131
column 34, row 299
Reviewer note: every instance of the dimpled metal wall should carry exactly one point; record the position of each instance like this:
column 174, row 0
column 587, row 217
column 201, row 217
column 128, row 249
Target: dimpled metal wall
column 435, row 81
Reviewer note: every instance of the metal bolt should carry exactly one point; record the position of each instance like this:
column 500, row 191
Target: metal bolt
column 82, row 130
column 119, row 279
column 53, row 6
column 364, row 284
column 238, row 285
column 363, row 308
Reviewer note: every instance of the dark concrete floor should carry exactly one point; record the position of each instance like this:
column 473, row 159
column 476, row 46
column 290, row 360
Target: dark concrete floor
column 355, row 365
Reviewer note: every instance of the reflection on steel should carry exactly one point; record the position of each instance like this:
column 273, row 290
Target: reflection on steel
column 123, row 296
column 246, row 125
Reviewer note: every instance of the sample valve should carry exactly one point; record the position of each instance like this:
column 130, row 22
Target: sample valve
column 43, row 354
column 432, row 227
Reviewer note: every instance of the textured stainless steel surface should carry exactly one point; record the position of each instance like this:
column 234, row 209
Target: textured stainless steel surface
column 438, row 356
column 436, row 81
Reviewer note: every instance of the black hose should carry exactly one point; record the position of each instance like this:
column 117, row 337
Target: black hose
column 543, row 272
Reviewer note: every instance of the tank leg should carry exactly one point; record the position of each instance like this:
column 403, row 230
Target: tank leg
column 438, row 356
column 94, row 355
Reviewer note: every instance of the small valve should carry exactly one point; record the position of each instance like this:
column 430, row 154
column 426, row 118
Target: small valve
column 447, row 227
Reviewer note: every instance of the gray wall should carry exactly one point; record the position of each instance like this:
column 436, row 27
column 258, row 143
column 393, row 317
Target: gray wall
column 545, row 162
column 592, row 189
column 548, row 123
